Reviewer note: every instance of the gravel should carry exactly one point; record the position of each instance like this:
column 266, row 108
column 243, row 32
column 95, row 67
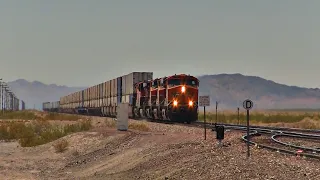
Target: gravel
column 167, row 151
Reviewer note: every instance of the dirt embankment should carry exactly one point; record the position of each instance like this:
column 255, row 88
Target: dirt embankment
column 166, row 151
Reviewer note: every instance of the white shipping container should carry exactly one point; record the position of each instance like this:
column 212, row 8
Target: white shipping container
column 98, row 103
column 90, row 93
column 115, row 99
column 55, row 104
column 108, row 102
column 114, row 87
column 45, row 105
column 111, row 101
column 93, row 92
column 91, row 103
column 123, row 84
column 101, row 91
column 96, row 91
column 125, row 99
column 95, row 104
column 104, row 90
column 134, row 78
column 101, row 101
column 109, row 88
column 104, row 101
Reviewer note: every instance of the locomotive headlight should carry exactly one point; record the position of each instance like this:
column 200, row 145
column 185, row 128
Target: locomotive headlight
column 175, row 103
column 190, row 103
column 183, row 89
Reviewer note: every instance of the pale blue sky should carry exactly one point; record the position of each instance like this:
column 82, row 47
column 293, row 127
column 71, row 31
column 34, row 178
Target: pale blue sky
column 77, row 42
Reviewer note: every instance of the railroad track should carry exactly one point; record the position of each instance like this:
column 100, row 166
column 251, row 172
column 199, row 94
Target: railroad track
column 309, row 152
column 274, row 133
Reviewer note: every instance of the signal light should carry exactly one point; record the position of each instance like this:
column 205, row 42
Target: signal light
column 183, row 89
column 175, row 103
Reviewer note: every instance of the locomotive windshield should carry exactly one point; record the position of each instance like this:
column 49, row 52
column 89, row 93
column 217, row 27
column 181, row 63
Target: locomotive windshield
column 188, row 82
column 191, row 82
column 174, row 82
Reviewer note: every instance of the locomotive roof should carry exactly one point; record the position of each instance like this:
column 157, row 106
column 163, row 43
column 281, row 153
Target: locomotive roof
column 168, row 77
column 179, row 75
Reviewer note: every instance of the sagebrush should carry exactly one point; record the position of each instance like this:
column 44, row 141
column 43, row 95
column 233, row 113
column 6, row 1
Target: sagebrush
column 39, row 132
column 268, row 117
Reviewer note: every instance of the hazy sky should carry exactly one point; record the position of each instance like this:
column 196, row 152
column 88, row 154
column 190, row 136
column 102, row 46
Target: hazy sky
column 77, row 42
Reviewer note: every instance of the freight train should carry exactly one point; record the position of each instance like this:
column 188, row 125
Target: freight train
column 173, row 98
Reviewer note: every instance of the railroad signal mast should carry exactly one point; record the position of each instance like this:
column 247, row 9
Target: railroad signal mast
column 248, row 104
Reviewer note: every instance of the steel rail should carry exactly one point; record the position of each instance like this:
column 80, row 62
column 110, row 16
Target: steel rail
column 264, row 127
column 244, row 138
column 291, row 145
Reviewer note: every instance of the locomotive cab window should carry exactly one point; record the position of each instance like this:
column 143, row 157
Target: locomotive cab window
column 174, row 82
column 155, row 84
column 192, row 82
column 140, row 87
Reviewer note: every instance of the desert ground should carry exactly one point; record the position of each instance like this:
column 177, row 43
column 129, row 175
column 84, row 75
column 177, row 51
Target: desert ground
column 158, row 151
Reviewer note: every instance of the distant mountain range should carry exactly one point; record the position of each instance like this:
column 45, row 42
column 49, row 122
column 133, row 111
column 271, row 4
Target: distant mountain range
column 228, row 89
column 35, row 93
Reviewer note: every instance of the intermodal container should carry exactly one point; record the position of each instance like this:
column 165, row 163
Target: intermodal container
column 45, row 105
column 108, row 101
column 119, row 99
column 93, row 103
column 97, row 91
column 78, row 99
column 115, row 101
column 131, row 99
column 90, row 93
column 113, row 87
column 111, row 101
column 55, row 104
column 94, row 92
column 134, row 78
column 119, row 86
column 124, row 79
column 109, row 88
column 87, row 94
column 125, row 99
column 101, row 88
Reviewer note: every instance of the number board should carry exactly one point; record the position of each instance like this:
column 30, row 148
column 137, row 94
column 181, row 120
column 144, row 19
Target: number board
column 204, row 100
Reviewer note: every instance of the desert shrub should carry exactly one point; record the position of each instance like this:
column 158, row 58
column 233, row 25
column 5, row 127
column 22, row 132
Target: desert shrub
column 82, row 126
column 24, row 115
column 59, row 116
column 61, row 145
column 139, row 126
column 38, row 132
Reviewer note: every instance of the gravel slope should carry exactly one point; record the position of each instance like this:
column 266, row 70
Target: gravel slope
column 171, row 151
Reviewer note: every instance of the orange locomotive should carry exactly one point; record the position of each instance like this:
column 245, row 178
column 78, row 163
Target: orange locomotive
column 173, row 98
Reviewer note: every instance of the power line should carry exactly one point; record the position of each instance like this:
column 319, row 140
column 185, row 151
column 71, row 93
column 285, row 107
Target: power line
column 8, row 100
